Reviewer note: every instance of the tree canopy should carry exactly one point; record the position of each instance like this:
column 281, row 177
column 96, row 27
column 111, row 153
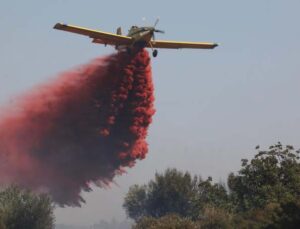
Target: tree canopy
column 21, row 209
column 264, row 193
column 272, row 176
column 170, row 192
column 173, row 192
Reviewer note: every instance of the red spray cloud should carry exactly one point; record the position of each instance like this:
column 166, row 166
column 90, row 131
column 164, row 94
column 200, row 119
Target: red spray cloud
column 83, row 128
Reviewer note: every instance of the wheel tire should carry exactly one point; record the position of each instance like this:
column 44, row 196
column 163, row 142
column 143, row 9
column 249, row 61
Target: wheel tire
column 154, row 53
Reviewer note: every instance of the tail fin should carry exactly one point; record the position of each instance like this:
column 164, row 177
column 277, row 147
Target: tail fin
column 119, row 31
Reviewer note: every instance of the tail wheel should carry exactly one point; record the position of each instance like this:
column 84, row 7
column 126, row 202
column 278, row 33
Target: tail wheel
column 154, row 53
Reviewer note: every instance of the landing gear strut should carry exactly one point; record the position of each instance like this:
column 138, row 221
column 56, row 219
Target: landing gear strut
column 154, row 53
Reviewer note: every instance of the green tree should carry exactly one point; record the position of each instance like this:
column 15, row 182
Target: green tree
column 135, row 202
column 209, row 195
column 273, row 176
column 170, row 192
column 287, row 215
column 271, row 216
column 264, row 194
column 174, row 192
column 21, row 209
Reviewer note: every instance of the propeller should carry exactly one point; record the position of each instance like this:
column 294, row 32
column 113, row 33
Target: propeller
column 159, row 31
column 156, row 22
column 154, row 51
column 156, row 30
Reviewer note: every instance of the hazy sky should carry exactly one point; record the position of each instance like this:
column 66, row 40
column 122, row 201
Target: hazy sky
column 213, row 106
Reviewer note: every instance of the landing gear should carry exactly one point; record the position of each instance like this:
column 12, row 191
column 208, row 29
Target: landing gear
column 154, row 53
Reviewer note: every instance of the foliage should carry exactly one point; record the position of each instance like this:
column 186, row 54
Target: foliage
column 166, row 222
column 21, row 209
column 263, row 194
column 209, row 196
column 170, row 192
column 214, row 217
column 273, row 176
column 135, row 202
column 271, row 216
column 173, row 192
column 287, row 216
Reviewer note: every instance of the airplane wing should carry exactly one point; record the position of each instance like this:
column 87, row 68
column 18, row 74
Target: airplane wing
column 182, row 45
column 97, row 36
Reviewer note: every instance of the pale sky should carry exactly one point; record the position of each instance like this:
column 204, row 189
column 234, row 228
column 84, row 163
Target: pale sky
column 213, row 106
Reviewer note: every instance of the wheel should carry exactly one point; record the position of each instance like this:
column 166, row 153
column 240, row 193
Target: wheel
column 155, row 52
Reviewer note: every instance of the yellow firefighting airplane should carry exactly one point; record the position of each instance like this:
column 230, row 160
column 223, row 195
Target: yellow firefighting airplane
column 138, row 37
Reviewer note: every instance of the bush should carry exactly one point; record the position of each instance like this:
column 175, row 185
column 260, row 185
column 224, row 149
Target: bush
column 171, row 221
column 216, row 218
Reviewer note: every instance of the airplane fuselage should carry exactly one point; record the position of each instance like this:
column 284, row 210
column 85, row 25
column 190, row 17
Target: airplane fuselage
column 141, row 35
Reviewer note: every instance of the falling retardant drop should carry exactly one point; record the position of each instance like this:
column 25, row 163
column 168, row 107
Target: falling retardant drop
column 85, row 127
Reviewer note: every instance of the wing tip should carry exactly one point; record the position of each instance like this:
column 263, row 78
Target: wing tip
column 59, row 25
column 215, row 45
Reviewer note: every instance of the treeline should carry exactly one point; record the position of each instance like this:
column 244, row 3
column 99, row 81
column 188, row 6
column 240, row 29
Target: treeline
column 264, row 193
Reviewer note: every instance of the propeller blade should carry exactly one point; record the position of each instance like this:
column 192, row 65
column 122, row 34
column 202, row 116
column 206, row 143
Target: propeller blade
column 157, row 20
column 159, row 31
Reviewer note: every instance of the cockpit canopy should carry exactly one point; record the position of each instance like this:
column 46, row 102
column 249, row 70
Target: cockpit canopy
column 134, row 27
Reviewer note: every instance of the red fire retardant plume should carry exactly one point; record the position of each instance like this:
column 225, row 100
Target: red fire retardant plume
column 83, row 128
